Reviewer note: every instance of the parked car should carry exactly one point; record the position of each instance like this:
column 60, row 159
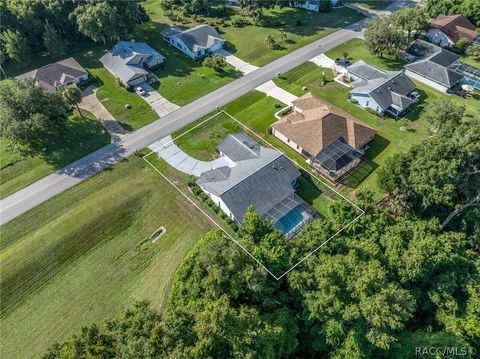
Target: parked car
column 342, row 62
column 141, row 91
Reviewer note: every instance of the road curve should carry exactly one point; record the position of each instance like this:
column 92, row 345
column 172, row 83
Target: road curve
column 67, row 177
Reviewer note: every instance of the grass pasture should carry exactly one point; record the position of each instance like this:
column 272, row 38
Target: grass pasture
column 18, row 169
column 84, row 255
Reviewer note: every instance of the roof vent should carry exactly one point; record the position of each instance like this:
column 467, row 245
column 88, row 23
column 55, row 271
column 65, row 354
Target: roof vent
column 274, row 167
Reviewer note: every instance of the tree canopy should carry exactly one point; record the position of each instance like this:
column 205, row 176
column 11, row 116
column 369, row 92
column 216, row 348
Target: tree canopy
column 378, row 283
column 29, row 115
column 50, row 25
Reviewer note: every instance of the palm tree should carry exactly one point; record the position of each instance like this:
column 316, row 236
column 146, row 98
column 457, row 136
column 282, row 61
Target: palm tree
column 270, row 41
column 72, row 97
column 283, row 36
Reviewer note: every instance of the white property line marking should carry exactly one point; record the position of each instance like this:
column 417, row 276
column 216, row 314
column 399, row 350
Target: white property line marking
column 210, row 218
column 362, row 212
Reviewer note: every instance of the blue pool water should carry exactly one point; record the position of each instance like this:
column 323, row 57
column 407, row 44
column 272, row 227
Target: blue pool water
column 291, row 220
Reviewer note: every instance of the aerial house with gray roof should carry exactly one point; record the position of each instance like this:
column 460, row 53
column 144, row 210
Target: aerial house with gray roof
column 197, row 42
column 258, row 176
column 386, row 92
column 130, row 61
column 432, row 65
column 58, row 75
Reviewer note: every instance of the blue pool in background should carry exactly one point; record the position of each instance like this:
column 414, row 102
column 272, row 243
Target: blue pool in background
column 292, row 220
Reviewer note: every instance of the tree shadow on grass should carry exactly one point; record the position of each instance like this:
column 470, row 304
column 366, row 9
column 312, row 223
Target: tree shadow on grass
column 417, row 108
column 81, row 137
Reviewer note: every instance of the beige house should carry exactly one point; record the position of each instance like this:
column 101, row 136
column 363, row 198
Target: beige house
column 331, row 140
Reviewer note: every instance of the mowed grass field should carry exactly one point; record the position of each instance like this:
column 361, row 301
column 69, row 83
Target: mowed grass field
column 84, row 255
column 19, row 169
column 390, row 139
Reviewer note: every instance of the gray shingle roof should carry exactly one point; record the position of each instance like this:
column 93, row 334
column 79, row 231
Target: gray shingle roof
column 389, row 88
column 263, row 180
column 56, row 74
column 239, row 147
column 432, row 63
column 118, row 59
column 202, row 36
column 366, row 71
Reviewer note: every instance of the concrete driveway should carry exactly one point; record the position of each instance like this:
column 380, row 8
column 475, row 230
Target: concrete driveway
column 276, row 92
column 239, row 64
column 156, row 101
column 91, row 103
column 175, row 157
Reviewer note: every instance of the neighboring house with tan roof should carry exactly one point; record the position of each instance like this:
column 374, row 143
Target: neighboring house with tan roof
column 57, row 75
column 331, row 140
column 445, row 30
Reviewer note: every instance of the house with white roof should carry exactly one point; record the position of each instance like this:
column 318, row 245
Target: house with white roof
column 197, row 42
column 382, row 91
column 129, row 61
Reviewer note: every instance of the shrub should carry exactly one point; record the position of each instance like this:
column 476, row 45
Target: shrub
column 462, row 44
column 237, row 20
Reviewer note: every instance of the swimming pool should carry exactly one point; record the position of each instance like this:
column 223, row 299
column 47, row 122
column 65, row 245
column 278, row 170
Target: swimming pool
column 292, row 220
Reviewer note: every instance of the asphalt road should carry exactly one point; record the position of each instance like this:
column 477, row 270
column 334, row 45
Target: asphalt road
column 67, row 177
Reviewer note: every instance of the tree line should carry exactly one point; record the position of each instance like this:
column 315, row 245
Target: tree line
column 52, row 26
column 394, row 280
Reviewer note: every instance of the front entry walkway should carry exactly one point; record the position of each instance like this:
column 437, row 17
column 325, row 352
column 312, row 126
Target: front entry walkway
column 272, row 90
column 156, row 101
column 175, row 157
column 239, row 64
column 91, row 103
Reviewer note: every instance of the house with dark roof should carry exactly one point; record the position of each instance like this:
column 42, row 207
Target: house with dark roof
column 432, row 65
column 129, row 61
column 197, row 42
column 446, row 31
column 58, row 75
column 382, row 91
column 258, row 176
column 332, row 141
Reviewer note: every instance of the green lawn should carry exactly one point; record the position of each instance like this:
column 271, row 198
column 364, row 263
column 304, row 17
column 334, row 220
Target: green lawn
column 470, row 60
column 248, row 42
column 372, row 4
column 115, row 97
column 18, row 169
column 390, row 139
column 181, row 80
column 85, row 255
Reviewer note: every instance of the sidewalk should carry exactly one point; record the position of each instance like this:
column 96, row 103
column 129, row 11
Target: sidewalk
column 91, row 103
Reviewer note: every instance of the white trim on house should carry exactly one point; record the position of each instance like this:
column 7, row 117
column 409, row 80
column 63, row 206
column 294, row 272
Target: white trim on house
column 426, row 81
